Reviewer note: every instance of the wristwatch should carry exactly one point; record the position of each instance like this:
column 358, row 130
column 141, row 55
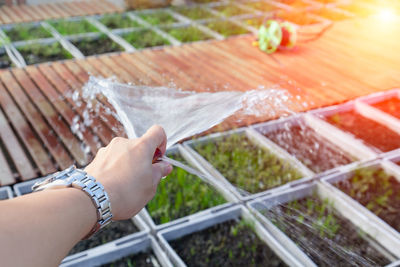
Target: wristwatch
column 77, row 178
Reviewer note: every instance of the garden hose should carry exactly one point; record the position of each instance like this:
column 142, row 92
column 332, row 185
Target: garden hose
column 275, row 34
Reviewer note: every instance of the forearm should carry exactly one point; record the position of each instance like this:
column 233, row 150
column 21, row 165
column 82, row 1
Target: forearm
column 40, row 228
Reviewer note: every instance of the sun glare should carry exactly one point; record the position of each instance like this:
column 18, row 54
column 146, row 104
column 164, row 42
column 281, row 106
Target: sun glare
column 387, row 14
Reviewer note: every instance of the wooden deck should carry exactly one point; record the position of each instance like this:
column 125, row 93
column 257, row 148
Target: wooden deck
column 353, row 58
column 30, row 13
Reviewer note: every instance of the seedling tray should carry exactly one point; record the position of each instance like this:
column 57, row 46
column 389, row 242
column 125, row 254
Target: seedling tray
column 144, row 38
column 231, row 10
column 5, row 192
column 120, row 253
column 186, row 34
column 24, row 32
column 264, row 6
column 35, row 53
column 369, row 196
column 236, row 213
column 287, row 171
column 302, row 142
column 72, row 27
column 372, row 132
column 179, row 195
column 316, row 221
column 118, row 21
column 99, row 45
column 226, row 28
column 194, row 12
column 157, row 17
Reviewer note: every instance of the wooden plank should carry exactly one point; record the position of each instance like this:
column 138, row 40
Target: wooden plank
column 33, row 145
column 24, row 16
column 47, row 135
column 98, row 126
column 33, row 15
column 55, row 7
column 40, row 12
column 15, row 150
column 57, row 98
column 5, row 18
column 14, row 17
column 48, row 111
column 6, row 175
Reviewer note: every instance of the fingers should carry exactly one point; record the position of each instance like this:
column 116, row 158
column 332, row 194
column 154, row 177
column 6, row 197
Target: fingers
column 160, row 169
column 155, row 138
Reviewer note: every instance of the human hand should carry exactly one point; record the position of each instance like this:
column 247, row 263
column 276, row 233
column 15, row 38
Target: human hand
column 125, row 169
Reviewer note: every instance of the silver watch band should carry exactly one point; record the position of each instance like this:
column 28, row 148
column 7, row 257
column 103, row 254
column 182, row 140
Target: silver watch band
column 79, row 179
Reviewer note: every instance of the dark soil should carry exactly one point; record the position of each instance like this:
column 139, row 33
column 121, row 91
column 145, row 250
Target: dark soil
column 377, row 191
column 330, row 14
column 5, row 61
column 194, row 13
column 181, row 194
column 315, row 152
column 26, row 32
column 226, row 28
column 98, row 46
column 390, row 106
column 112, row 232
column 297, row 17
column 228, row 244
column 246, row 165
column 326, row 237
column 370, row 131
column 141, row 259
column 37, row 53
column 144, row 38
column 188, row 34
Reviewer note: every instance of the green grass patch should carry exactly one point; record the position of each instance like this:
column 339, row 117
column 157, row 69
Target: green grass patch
column 101, row 45
column 144, row 38
column 38, row 53
column 188, row 34
column 230, row 10
column 23, row 32
column 194, row 13
column 158, row 18
column 181, row 194
column 226, row 28
column 246, row 165
column 117, row 21
column 66, row 27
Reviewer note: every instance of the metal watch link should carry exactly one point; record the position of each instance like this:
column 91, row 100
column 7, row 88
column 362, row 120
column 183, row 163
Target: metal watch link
column 76, row 178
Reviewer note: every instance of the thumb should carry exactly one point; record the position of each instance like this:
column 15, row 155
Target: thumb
column 160, row 169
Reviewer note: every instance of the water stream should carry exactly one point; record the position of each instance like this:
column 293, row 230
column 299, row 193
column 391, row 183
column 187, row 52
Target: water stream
column 183, row 114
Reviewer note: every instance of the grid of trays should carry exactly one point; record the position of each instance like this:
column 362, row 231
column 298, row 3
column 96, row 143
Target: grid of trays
column 78, row 37
column 344, row 183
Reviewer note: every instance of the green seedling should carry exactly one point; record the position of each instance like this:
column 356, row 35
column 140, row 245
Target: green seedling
column 226, row 28
column 158, row 18
column 101, row 45
column 255, row 22
column 181, row 194
column 377, row 191
column 23, row 32
column 188, row 34
column 245, row 165
column 145, row 38
column 116, row 21
column 195, row 13
column 230, row 10
column 66, row 27
column 5, row 61
column 37, row 53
